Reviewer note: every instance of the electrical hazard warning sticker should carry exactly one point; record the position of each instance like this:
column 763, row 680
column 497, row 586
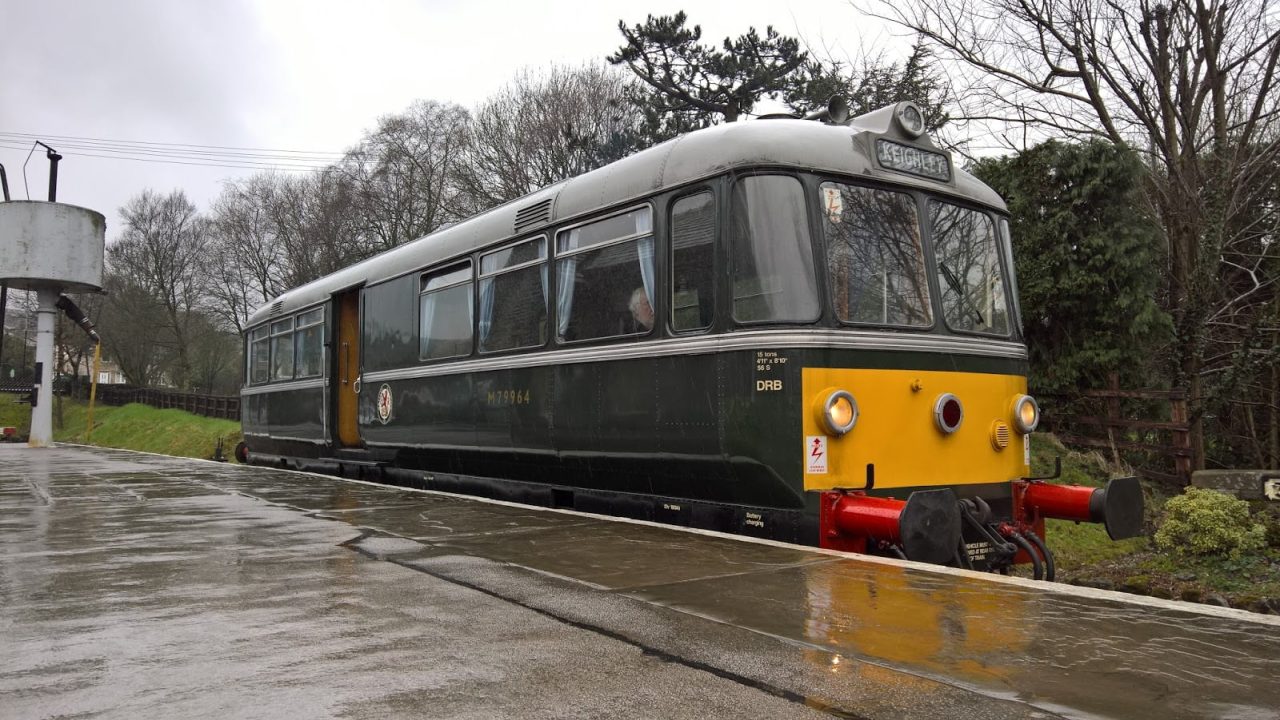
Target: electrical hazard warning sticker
column 815, row 454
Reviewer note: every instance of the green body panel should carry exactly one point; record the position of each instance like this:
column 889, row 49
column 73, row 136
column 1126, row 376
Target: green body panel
column 296, row 414
column 693, row 426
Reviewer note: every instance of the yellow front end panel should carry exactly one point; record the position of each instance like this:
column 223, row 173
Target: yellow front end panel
column 896, row 430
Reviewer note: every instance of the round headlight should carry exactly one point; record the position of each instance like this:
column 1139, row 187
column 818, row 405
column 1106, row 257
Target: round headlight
column 840, row 412
column 948, row 413
column 1026, row 414
column 910, row 119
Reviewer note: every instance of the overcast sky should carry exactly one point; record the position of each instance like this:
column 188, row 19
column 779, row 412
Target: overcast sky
column 299, row 75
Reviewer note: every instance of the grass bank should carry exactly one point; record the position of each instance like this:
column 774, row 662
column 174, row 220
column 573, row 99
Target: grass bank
column 133, row 427
column 1087, row 556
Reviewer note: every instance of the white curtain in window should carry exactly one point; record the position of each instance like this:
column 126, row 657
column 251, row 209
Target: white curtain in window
column 565, row 273
column 427, row 312
column 486, row 309
column 644, row 249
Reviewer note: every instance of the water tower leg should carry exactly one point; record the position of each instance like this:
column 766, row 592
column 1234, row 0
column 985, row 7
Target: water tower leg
column 42, row 413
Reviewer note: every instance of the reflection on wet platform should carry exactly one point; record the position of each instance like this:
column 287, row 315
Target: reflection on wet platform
column 1026, row 649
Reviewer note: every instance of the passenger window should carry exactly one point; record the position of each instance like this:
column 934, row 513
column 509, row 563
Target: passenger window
column 259, row 356
column 513, row 296
column 445, row 313
column 969, row 273
column 693, row 234
column 282, row 349
column 604, row 277
column 773, row 277
column 308, row 344
column 875, row 261
column 1006, row 245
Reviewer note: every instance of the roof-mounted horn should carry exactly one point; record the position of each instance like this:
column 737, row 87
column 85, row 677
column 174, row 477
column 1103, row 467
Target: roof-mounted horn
column 835, row 113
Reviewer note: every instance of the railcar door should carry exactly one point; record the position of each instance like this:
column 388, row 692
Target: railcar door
column 347, row 368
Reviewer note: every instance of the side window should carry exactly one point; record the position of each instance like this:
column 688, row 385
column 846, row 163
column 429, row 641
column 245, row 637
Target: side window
column 604, row 277
column 693, row 234
column 513, row 296
column 1006, row 242
column 259, row 356
column 969, row 273
column 282, row 349
column 308, row 344
column 773, row 277
column 444, row 312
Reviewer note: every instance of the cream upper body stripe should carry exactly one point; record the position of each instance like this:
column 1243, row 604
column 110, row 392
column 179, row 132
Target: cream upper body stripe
column 307, row 384
column 750, row 340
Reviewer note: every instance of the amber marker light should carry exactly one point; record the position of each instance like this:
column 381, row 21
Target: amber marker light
column 1026, row 414
column 948, row 413
column 839, row 412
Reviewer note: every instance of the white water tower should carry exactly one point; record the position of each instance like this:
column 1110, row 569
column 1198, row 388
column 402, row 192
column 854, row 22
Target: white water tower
column 51, row 248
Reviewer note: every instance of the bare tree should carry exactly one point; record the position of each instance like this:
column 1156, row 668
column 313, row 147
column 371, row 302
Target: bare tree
column 218, row 356
column 316, row 226
column 402, row 176
column 163, row 252
column 543, row 128
column 247, row 262
column 1190, row 84
column 129, row 327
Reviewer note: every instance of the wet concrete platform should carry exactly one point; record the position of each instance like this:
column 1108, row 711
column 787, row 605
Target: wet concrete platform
column 137, row 585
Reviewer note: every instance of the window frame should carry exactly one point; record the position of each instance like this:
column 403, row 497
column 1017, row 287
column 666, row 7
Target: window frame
column 444, row 268
column 1004, row 226
column 264, row 330
column 319, row 310
column 817, row 266
column 647, row 204
column 507, row 246
column 600, row 218
column 545, row 260
column 716, row 227
column 274, row 334
column 1004, row 263
column 927, row 262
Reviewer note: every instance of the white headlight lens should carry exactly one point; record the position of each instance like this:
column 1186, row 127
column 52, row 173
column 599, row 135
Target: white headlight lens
column 840, row 412
column 1026, row 414
column 911, row 119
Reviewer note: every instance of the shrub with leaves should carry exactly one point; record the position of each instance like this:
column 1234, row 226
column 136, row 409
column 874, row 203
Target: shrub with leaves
column 1207, row 522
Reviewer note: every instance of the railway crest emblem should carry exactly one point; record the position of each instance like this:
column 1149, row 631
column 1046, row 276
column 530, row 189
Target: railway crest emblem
column 384, row 403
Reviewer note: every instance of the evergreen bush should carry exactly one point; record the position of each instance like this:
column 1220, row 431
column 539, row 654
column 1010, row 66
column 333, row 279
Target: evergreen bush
column 1208, row 522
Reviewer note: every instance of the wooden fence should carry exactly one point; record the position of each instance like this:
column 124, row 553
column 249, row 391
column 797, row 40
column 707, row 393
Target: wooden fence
column 1114, row 427
column 219, row 406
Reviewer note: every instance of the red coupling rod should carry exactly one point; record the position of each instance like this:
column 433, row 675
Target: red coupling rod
column 1119, row 505
column 926, row 525
column 866, row 516
column 1065, row 502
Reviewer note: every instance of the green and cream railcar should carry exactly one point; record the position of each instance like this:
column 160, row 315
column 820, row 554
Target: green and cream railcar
column 783, row 328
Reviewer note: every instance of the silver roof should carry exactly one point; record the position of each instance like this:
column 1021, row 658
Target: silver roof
column 840, row 149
